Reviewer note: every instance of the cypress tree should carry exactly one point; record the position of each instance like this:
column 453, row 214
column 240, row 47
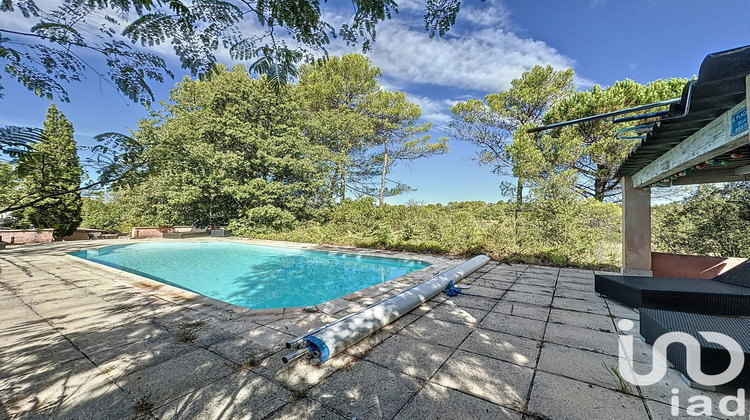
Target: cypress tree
column 50, row 168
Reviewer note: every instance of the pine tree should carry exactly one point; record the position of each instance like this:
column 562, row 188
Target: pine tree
column 49, row 169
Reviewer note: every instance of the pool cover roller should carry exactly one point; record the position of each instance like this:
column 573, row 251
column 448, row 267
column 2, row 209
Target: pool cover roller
column 333, row 338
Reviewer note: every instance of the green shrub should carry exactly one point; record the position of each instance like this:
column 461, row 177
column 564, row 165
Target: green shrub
column 582, row 233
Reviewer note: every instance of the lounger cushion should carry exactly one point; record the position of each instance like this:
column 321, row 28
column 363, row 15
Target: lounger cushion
column 690, row 295
column 739, row 275
column 714, row 357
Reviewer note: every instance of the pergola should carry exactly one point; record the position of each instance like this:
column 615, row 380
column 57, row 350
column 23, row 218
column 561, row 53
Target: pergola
column 703, row 138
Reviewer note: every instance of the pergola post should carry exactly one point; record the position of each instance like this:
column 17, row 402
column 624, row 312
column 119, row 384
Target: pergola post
column 636, row 229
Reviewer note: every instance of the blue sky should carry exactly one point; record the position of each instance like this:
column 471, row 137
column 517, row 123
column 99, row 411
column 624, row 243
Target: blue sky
column 492, row 43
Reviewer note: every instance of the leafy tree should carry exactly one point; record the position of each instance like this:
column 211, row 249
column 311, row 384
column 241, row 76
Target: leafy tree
column 99, row 211
column 491, row 122
column 49, row 172
column 8, row 184
column 397, row 136
column 711, row 221
column 58, row 42
column 228, row 148
column 330, row 93
column 586, row 153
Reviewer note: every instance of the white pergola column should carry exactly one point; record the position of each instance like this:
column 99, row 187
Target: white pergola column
column 636, row 229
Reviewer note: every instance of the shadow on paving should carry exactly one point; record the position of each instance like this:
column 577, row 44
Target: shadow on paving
column 68, row 366
column 122, row 353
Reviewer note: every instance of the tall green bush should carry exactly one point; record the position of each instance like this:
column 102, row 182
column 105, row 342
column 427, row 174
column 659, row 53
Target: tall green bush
column 49, row 170
column 711, row 221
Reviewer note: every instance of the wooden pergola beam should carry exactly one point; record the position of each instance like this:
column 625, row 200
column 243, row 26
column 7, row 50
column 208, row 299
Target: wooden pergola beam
column 712, row 140
column 708, row 177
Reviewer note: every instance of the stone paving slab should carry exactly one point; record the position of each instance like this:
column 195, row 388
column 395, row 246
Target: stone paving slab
column 548, row 282
column 486, row 292
column 515, row 325
column 584, row 338
column 363, row 348
column 523, row 310
column 531, row 288
column 175, row 377
column 528, row 298
column 510, row 348
column 660, row 411
column 37, row 355
column 561, row 398
column 305, row 409
column 43, row 391
column 120, row 361
column 436, row 331
column 500, row 382
column 106, row 336
column 438, row 402
column 474, row 302
column 499, row 286
column 595, row 322
column 366, row 390
column 564, row 292
column 452, row 313
column 593, row 307
column 662, row 392
column 19, row 332
column 567, row 361
column 243, row 395
column 574, row 287
column 621, row 311
column 300, row 377
column 409, row 356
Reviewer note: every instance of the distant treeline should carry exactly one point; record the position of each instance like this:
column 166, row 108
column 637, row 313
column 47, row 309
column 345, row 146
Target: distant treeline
column 577, row 233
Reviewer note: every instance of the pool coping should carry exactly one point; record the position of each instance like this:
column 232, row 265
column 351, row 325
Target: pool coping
column 337, row 307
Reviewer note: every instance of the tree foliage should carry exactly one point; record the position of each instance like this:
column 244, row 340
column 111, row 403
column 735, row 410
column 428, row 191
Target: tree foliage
column 99, row 211
column 331, row 92
column 225, row 149
column 367, row 130
column 587, row 233
column 586, row 155
column 714, row 220
column 491, row 122
column 275, row 35
column 397, row 136
column 50, row 170
column 8, row 184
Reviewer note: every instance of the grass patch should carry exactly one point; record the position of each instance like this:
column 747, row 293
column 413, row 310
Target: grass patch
column 251, row 360
column 622, row 385
column 186, row 333
column 143, row 406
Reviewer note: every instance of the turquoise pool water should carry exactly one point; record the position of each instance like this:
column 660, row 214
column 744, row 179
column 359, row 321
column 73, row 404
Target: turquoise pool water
column 253, row 276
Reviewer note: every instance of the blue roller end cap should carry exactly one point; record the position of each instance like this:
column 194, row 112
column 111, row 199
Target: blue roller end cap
column 319, row 346
column 452, row 290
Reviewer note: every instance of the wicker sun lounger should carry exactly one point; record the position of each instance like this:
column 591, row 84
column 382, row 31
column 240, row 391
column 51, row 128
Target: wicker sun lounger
column 714, row 358
column 725, row 294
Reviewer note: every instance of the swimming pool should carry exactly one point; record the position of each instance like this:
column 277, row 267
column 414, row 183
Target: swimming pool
column 253, row 276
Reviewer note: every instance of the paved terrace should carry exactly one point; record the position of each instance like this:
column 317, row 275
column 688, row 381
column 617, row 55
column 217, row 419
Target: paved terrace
column 81, row 341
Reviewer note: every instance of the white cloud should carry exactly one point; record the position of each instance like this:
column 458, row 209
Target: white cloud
column 435, row 111
column 486, row 59
column 486, row 14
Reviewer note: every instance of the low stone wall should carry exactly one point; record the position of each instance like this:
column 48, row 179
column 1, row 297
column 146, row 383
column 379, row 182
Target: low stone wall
column 27, row 236
column 158, row 232
column 690, row 266
column 149, row 232
column 83, row 234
